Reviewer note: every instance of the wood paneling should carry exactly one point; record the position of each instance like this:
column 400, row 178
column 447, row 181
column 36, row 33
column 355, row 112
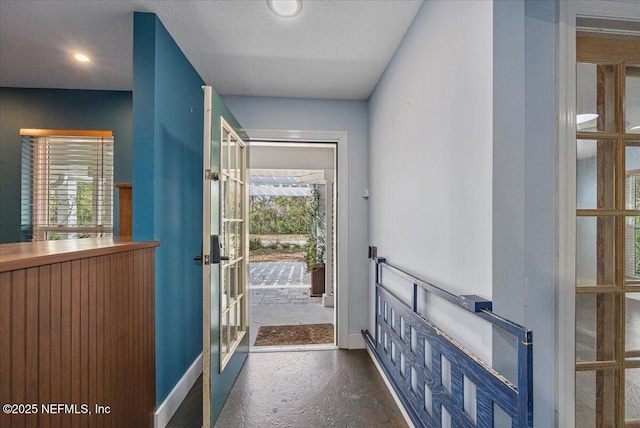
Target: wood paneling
column 30, row 254
column 80, row 332
column 125, row 213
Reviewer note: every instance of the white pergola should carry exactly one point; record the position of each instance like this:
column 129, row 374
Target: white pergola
column 281, row 182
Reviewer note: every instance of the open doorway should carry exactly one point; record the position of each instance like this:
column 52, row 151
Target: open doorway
column 292, row 258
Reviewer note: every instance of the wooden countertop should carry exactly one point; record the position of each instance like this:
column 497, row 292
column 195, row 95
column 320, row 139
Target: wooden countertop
column 23, row 255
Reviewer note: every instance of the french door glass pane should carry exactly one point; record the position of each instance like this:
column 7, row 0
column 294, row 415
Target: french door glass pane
column 233, row 326
column 632, row 99
column 233, row 156
column 632, row 175
column 595, row 251
column 632, row 327
column 225, row 198
column 238, row 201
column 225, row 281
column 596, row 398
column 234, row 281
column 596, row 97
column 595, row 174
column 231, row 202
column 586, row 96
column 224, row 334
column 632, row 250
column 224, row 161
column 233, row 253
column 596, row 318
column 632, row 395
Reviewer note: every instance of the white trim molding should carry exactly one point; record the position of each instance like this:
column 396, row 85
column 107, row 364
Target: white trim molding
column 168, row 408
column 356, row 341
column 569, row 11
column 342, row 242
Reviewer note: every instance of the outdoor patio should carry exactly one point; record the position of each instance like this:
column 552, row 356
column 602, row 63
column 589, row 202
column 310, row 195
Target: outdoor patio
column 279, row 295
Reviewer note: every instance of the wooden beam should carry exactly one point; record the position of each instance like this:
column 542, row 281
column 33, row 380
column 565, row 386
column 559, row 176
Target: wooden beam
column 29, row 132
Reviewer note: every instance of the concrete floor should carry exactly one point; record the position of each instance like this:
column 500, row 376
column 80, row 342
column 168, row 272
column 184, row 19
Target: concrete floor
column 279, row 295
column 301, row 389
column 189, row 414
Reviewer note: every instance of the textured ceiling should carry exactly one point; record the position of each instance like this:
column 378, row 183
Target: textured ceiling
column 333, row 49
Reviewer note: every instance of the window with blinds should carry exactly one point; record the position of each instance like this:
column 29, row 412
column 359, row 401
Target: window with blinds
column 67, row 184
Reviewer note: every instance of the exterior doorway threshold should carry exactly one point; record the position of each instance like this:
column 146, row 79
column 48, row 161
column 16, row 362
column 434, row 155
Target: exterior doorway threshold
column 293, row 348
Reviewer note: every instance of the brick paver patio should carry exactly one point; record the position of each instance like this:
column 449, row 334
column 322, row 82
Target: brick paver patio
column 273, row 283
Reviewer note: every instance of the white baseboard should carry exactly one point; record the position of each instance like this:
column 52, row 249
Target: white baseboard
column 391, row 390
column 165, row 412
column 356, row 341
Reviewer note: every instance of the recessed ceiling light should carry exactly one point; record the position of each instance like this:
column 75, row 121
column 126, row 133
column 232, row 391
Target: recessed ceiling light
column 586, row 117
column 285, row 8
column 81, row 57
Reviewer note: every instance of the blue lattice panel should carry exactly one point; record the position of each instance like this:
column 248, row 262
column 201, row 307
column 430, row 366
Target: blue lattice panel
column 430, row 372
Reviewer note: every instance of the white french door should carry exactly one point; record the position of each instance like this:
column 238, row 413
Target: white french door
column 224, row 255
column 233, row 242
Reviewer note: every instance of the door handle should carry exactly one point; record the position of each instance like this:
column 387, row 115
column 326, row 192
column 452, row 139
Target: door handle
column 216, row 257
column 201, row 257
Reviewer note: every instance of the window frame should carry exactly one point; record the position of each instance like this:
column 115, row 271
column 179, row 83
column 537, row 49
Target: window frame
column 39, row 175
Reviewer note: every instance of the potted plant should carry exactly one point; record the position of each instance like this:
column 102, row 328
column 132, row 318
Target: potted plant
column 314, row 249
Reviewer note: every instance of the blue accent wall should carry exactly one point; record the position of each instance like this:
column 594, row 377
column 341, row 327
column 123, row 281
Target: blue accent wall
column 56, row 109
column 167, row 191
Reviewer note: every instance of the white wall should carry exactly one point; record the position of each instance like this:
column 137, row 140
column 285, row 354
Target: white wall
column 326, row 115
column 430, row 157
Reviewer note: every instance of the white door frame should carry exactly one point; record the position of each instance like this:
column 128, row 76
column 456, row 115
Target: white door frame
column 569, row 11
column 342, row 241
column 206, row 250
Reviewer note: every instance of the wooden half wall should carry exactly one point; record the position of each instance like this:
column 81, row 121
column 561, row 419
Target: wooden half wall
column 77, row 332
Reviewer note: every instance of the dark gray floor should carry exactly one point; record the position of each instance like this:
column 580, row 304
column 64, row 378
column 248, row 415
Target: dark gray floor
column 189, row 414
column 301, row 389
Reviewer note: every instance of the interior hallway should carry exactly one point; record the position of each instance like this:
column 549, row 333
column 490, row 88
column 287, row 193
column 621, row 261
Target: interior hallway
column 301, row 389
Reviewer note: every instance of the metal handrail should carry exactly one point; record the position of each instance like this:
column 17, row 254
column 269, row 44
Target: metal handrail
column 473, row 303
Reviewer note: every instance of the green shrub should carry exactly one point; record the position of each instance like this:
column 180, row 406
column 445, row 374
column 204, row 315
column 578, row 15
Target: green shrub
column 255, row 243
column 279, row 215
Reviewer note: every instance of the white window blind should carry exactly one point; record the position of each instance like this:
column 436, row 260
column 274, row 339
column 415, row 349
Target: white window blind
column 67, row 184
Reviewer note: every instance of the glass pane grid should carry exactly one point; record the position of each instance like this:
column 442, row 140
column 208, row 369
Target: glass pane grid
column 632, row 328
column 597, row 327
column 596, row 398
column 596, row 113
column 233, row 224
column 632, row 396
column 632, row 99
column 595, row 173
column 596, row 251
column 607, row 242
